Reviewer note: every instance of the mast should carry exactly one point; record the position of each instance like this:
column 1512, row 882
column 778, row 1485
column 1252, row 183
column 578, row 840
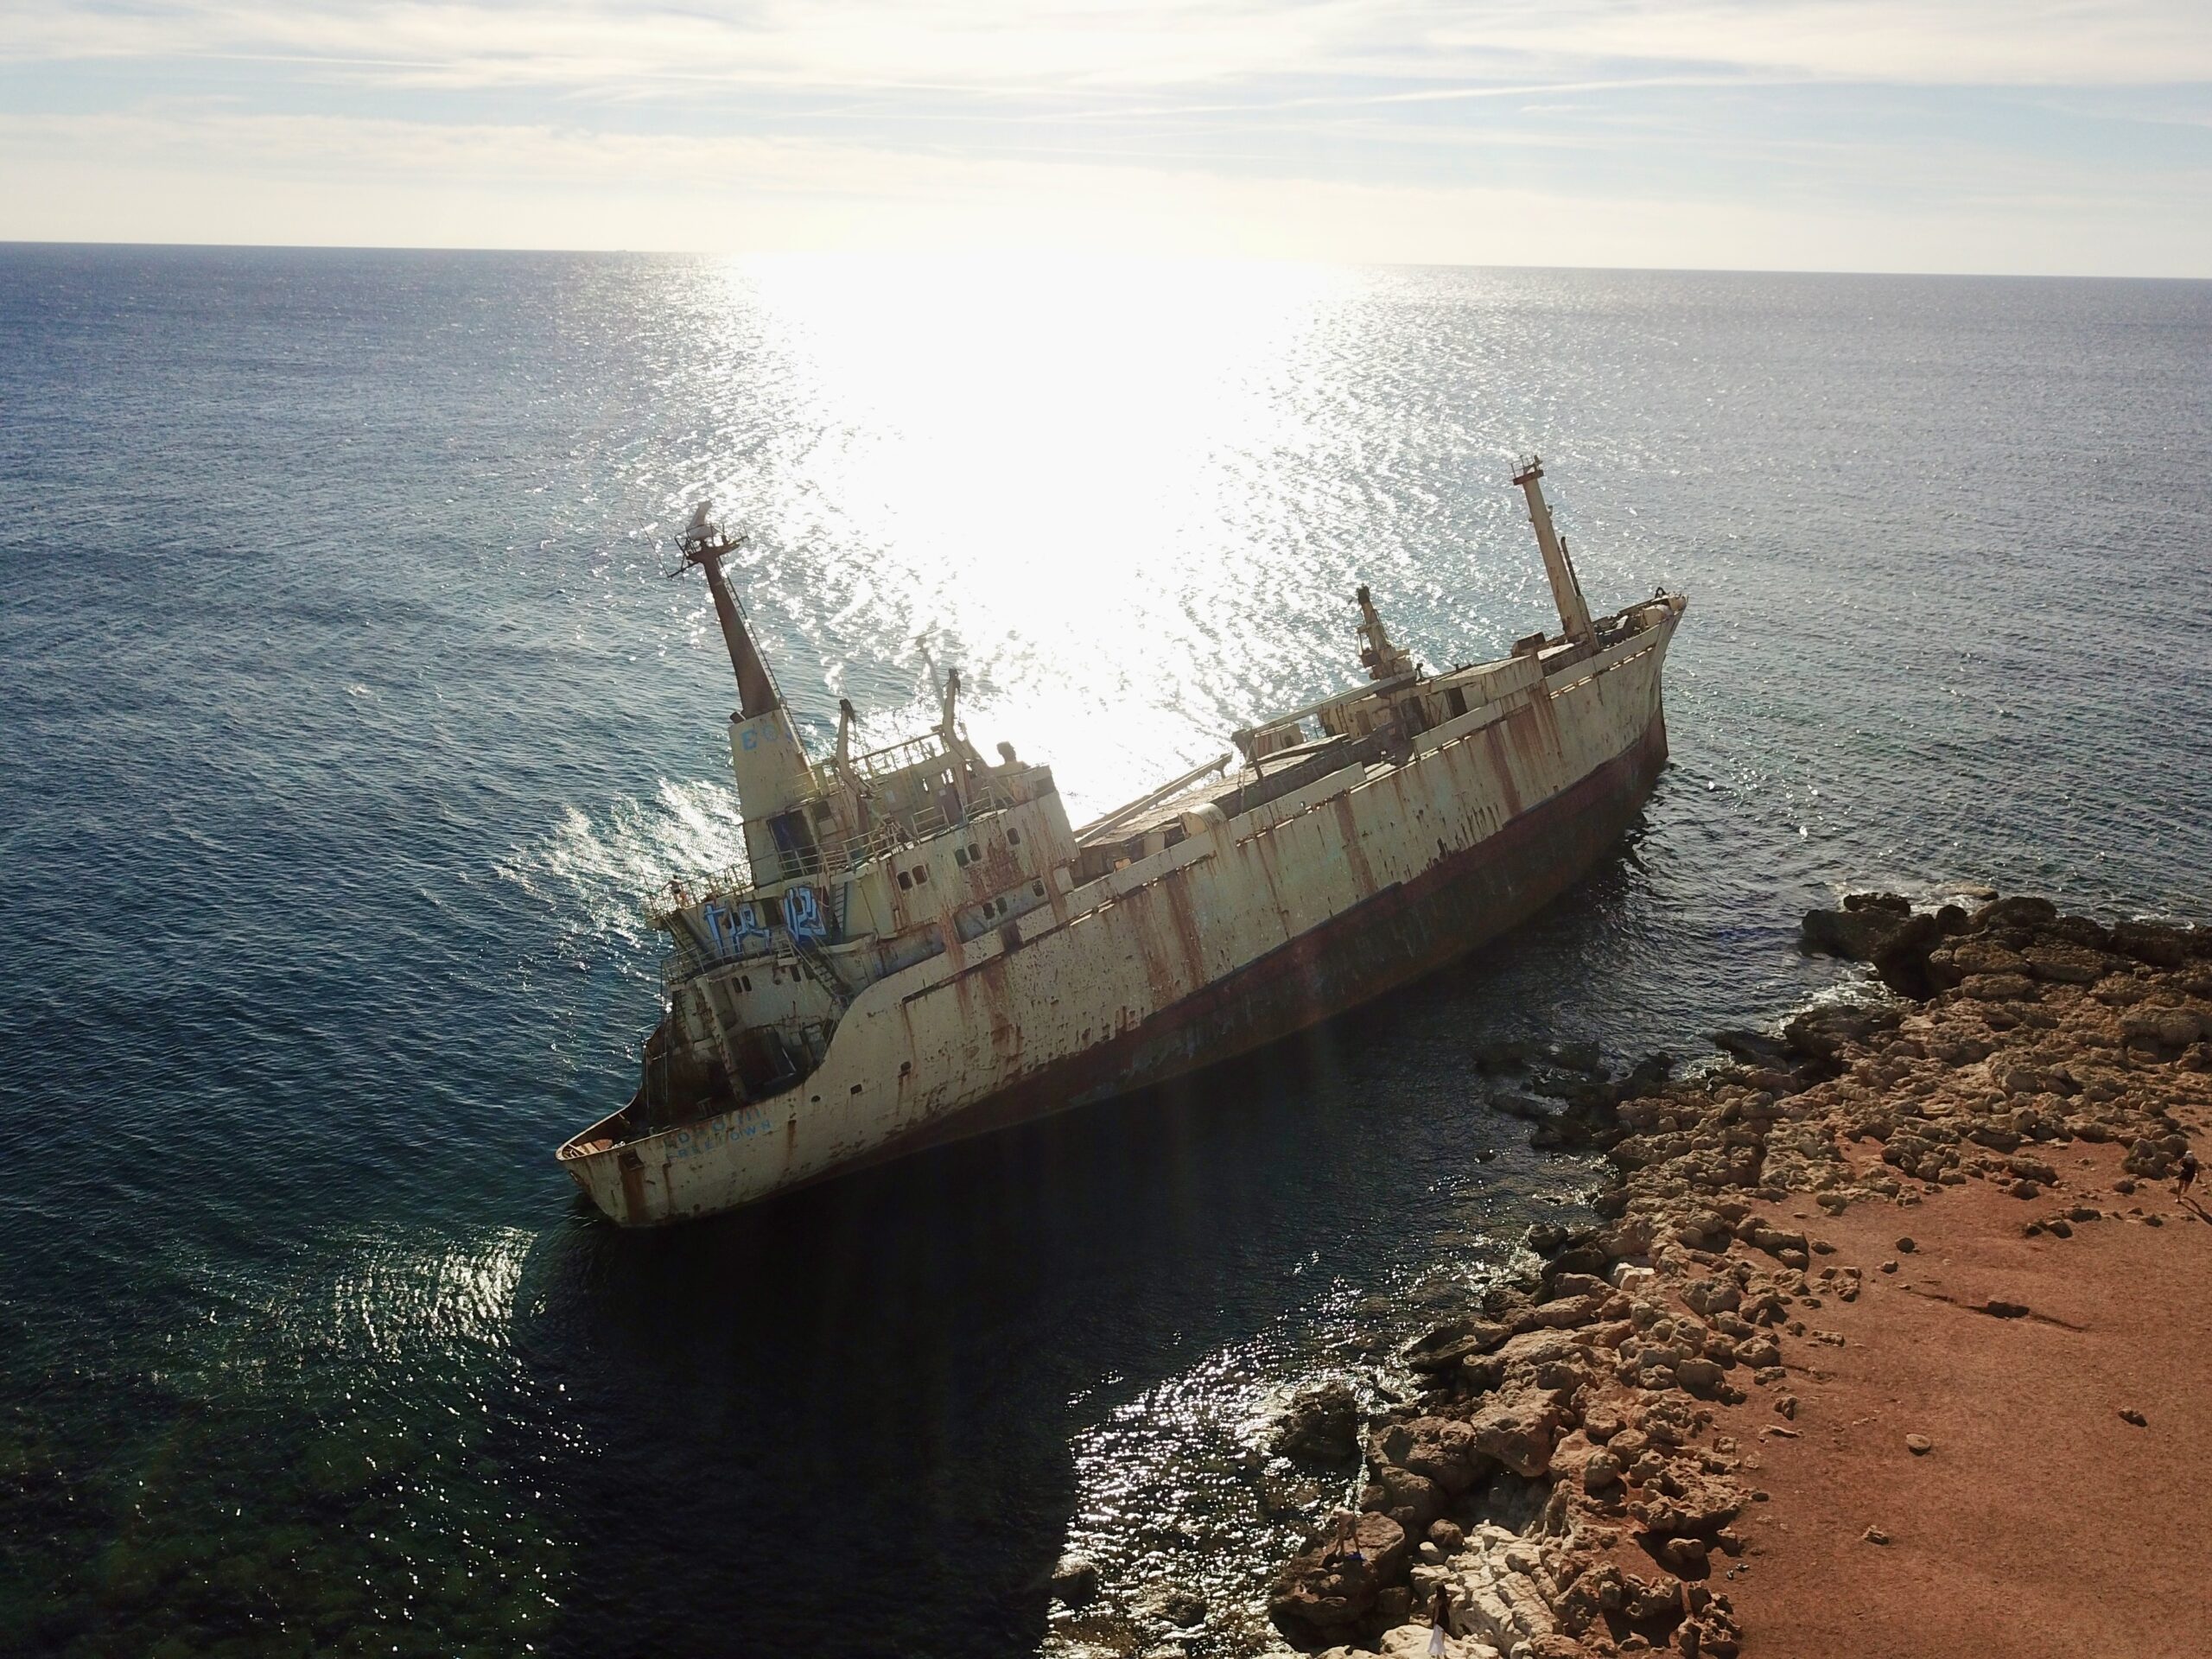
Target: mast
column 703, row 544
column 1384, row 661
column 1574, row 612
column 767, row 760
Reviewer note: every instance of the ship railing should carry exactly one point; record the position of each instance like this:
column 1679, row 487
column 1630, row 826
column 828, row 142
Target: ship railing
column 815, row 960
column 926, row 821
column 904, row 755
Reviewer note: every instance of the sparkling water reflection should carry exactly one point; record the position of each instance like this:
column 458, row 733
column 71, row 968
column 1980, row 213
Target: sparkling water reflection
column 347, row 715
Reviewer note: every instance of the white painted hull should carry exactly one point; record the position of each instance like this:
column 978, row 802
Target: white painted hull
column 1268, row 922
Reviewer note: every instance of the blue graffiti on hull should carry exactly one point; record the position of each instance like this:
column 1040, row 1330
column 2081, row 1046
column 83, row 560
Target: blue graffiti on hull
column 742, row 1124
column 803, row 913
column 730, row 929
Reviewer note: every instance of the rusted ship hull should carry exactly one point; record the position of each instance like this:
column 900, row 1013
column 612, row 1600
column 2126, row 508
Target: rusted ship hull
column 1252, row 927
column 1402, row 934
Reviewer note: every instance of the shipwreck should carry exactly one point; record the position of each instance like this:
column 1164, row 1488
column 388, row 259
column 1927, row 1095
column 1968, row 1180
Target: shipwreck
column 922, row 947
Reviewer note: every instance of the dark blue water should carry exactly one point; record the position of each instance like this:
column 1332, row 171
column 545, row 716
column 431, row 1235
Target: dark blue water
column 344, row 713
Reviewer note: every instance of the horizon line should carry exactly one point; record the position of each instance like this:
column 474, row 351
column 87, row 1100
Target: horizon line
column 1078, row 254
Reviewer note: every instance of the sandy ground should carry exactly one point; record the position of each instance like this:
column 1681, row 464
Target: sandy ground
column 2041, row 1522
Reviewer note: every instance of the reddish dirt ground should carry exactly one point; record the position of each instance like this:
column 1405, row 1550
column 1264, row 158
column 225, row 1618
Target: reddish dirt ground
column 2041, row 1522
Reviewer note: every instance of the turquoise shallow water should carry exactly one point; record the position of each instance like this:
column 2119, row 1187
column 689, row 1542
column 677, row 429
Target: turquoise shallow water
column 343, row 714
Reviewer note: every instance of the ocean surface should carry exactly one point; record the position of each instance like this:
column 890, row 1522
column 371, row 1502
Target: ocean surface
column 345, row 714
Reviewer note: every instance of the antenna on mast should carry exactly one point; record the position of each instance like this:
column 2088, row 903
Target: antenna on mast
column 1573, row 609
column 703, row 543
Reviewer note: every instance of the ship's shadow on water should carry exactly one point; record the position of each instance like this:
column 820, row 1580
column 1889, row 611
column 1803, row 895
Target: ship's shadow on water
column 883, row 1372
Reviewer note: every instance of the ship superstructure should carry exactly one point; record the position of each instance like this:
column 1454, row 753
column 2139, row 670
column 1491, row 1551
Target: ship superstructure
column 923, row 947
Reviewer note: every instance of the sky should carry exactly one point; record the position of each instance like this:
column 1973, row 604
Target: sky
column 2001, row 135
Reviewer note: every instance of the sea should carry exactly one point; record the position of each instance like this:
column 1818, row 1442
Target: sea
column 348, row 710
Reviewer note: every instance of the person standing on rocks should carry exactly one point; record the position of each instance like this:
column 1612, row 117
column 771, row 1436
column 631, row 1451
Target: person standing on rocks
column 1440, row 1619
column 1344, row 1544
column 2188, row 1177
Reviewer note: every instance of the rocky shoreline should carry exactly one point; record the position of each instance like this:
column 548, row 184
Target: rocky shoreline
column 1579, row 1462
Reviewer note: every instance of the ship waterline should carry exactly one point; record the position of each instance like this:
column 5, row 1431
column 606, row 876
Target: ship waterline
column 941, row 955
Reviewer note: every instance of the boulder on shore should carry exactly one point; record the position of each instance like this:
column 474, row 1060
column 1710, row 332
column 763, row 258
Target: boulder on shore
column 1320, row 1594
column 1321, row 1426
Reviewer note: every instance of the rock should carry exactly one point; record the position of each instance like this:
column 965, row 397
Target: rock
column 1502, row 1053
column 2149, row 1160
column 2152, row 941
column 2025, row 1189
column 1445, row 1346
column 1759, row 1353
column 1320, row 1425
column 1649, row 1600
column 1558, row 1281
column 1446, row 1536
column 1753, row 1048
column 1919, row 1444
column 1997, row 1310
column 1182, row 1609
column 1700, row 1375
column 1315, row 1600
column 2065, row 964
column 1597, row 1590
column 1601, row 1473
column 1975, row 956
column 1906, row 1246
column 2013, row 912
column 1411, row 1500
column 1563, row 1314
column 1875, row 1535
column 1824, row 1033
column 1998, row 987
column 1713, row 1296
column 1440, row 1449
column 1893, row 903
column 1889, row 1266
column 1525, row 1107
column 1901, row 960
column 1683, row 1556
column 2129, row 1414
column 1577, row 1056
column 1518, row 1431
column 1854, row 935
column 1075, row 1581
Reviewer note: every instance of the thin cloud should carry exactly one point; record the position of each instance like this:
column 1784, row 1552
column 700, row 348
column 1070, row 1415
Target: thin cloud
column 1153, row 44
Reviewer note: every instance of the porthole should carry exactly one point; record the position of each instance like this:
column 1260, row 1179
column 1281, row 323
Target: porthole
column 1013, row 836
column 906, row 881
column 921, row 875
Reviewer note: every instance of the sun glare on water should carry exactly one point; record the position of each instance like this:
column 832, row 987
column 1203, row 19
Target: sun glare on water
column 1064, row 477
